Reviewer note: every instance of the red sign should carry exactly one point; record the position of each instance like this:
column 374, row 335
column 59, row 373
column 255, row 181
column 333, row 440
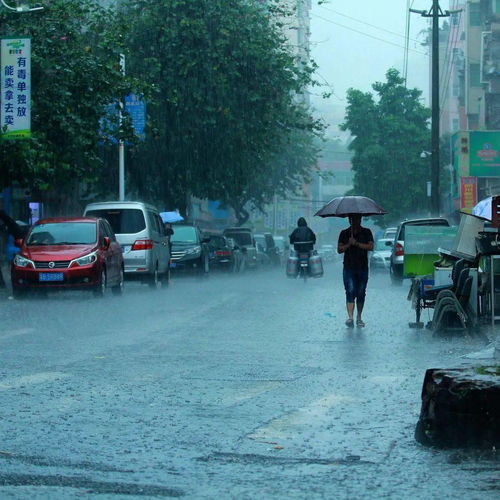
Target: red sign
column 468, row 193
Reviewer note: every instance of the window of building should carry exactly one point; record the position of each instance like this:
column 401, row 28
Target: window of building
column 474, row 75
column 475, row 14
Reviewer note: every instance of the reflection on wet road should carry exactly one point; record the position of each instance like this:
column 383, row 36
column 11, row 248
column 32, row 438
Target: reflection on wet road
column 238, row 386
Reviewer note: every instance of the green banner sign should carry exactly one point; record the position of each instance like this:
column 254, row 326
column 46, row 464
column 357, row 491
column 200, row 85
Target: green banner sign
column 15, row 88
column 484, row 153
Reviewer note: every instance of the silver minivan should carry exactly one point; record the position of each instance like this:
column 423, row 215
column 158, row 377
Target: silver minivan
column 140, row 231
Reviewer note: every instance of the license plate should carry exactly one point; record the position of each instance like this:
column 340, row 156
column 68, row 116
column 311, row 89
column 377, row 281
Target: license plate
column 173, row 264
column 51, row 277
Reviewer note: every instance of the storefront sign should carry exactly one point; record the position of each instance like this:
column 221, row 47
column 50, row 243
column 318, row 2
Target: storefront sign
column 15, row 88
column 468, row 193
column 485, row 153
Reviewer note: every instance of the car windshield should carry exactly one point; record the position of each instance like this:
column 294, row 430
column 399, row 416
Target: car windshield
column 422, row 223
column 241, row 239
column 122, row 220
column 184, row 234
column 63, row 233
column 217, row 242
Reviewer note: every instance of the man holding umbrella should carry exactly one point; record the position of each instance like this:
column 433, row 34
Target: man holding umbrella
column 354, row 242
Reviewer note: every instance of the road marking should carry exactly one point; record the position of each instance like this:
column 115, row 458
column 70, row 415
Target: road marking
column 16, row 333
column 287, row 425
column 36, row 378
column 250, row 393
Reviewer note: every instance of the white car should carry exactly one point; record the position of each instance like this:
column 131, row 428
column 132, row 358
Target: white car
column 381, row 256
column 390, row 232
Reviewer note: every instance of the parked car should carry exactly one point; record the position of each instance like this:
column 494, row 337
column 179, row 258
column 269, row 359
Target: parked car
column 390, row 232
column 225, row 253
column 190, row 250
column 397, row 252
column 63, row 253
column 243, row 237
column 269, row 248
column 380, row 258
column 282, row 247
column 141, row 234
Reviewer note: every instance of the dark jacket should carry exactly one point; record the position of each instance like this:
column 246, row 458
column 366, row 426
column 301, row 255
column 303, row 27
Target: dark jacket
column 302, row 234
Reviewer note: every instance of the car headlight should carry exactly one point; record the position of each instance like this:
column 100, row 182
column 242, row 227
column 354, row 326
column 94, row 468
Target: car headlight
column 21, row 261
column 193, row 250
column 86, row 259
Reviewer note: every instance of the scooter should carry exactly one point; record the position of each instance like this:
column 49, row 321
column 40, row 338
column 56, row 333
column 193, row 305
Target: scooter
column 304, row 265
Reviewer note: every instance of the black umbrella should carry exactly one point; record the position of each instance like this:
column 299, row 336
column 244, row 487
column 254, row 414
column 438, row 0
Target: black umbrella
column 343, row 206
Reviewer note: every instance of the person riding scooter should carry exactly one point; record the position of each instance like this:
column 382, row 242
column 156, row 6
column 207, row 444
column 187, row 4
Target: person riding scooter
column 302, row 237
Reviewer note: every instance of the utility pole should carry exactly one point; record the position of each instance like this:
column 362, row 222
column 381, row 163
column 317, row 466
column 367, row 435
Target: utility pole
column 121, row 145
column 435, row 12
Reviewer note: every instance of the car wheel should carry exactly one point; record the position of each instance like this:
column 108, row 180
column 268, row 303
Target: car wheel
column 100, row 289
column 165, row 279
column 118, row 288
column 154, row 279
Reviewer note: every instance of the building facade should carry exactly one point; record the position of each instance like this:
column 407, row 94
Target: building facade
column 470, row 100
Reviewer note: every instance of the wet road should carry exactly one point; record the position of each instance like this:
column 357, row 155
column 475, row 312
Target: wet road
column 236, row 387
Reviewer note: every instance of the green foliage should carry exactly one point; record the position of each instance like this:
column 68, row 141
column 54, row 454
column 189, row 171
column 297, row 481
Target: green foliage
column 75, row 73
column 390, row 132
column 224, row 121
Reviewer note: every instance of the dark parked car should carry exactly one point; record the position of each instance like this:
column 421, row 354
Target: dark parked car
column 62, row 253
column 225, row 253
column 244, row 239
column 398, row 248
column 190, row 250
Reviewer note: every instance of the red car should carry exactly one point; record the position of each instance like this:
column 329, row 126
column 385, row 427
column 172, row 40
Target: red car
column 68, row 253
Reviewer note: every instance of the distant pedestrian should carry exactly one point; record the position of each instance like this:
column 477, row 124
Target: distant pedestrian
column 355, row 242
column 169, row 231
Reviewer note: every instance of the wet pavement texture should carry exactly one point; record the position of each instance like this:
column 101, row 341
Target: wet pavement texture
column 246, row 386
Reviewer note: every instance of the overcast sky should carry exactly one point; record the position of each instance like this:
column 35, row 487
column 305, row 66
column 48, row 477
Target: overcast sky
column 355, row 42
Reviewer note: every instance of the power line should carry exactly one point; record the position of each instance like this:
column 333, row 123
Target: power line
column 329, row 85
column 368, row 24
column 366, row 34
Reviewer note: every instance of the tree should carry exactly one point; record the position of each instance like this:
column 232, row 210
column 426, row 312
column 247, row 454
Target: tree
column 390, row 132
column 223, row 114
column 75, row 74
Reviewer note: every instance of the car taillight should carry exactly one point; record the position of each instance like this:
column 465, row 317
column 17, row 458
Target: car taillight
column 399, row 250
column 222, row 253
column 142, row 245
